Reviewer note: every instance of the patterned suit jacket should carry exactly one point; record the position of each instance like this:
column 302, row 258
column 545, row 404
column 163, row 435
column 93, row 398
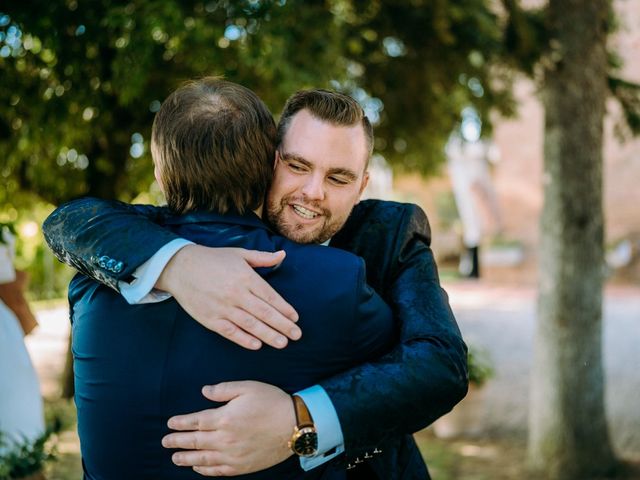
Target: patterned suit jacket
column 379, row 403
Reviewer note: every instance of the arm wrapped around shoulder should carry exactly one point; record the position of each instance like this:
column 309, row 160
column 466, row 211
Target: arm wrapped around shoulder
column 106, row 240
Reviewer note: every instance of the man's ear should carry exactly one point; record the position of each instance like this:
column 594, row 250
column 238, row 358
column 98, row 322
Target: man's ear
column 276, row 160
column 365, row 182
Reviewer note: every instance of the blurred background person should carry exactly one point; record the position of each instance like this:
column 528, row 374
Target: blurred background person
column 468, row 159
column 21, row 407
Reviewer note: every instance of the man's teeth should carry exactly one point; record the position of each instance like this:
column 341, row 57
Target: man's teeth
column 303, row 212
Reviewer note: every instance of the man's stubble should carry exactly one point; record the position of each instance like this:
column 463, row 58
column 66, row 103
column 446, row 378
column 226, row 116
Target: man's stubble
column 297, row 231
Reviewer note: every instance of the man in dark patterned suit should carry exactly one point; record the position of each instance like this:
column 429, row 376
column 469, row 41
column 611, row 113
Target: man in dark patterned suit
column 325, row 142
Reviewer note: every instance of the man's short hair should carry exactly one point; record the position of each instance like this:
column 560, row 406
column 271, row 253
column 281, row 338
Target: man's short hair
column 332, row 107
column 213, row 143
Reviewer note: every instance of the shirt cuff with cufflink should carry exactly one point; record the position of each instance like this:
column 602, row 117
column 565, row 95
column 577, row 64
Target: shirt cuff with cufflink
column 325, row 418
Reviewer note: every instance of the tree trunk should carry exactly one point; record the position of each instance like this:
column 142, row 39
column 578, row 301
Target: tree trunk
column 568, row 436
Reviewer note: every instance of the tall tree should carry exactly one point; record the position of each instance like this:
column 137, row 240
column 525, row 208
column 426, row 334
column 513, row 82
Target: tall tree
column 568, row 436
column 81, row 80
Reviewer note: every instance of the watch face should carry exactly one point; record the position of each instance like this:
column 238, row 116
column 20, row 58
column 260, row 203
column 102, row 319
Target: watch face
column 306, row 443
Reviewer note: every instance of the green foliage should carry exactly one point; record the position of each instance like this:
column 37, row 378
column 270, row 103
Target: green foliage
column 480, row 366
column 628, row 95
column 425, row 61
column 48, row 278
column 447, row 210
column 21, row 459
column 81, row 80
column 25, row 458
column 526, row 36
column 6, row 227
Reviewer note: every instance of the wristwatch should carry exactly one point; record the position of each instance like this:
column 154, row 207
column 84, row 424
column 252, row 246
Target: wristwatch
column 304, row 441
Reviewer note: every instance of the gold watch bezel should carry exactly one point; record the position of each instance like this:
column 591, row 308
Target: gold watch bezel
column 298, row 433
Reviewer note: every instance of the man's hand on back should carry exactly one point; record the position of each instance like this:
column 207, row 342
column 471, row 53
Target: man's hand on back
column 219, row 288
column 248, row 434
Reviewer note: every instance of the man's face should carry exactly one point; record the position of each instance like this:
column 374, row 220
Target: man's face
column 318, row 178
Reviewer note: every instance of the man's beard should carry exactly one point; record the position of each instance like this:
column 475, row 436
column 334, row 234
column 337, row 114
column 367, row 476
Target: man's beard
column 298, row 232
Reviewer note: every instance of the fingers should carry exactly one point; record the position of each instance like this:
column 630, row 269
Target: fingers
column 257, row 329
column 217, row 471
column 256, row 258
column 205, row 462
column 230, row 331
column 262, row 290
column 233, row 301
column 190, row 441
column 227, row 391
column 264, row 323
column 203, row 420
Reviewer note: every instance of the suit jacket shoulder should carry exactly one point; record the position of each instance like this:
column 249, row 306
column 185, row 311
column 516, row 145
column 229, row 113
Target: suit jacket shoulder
column 379, row 231
column 81, row 234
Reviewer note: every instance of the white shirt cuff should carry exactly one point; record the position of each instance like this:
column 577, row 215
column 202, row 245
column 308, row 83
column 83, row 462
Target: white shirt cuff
column 325, row 418
column 141, row 290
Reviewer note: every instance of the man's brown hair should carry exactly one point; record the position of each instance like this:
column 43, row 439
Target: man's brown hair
column 213, row 143
column 332, row 107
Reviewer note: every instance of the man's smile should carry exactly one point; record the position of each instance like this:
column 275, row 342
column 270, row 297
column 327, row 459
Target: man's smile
column 304, row 212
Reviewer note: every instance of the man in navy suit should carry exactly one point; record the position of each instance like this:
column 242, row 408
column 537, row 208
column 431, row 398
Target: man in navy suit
column 136, row 365
column 319, row 174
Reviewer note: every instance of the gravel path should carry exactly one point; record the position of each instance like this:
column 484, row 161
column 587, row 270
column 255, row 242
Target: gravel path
column 501, row 320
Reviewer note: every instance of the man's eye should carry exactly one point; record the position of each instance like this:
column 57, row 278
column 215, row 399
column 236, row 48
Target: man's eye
column 296, row 167
column 338, row 180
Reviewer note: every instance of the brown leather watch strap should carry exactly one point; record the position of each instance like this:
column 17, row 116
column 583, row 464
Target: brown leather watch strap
column 303, row 417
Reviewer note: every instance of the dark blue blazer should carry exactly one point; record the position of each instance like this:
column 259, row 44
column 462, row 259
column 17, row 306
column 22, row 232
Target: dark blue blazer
column 138, row 365
column 380, row 402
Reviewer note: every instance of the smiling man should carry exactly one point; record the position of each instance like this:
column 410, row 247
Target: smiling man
column 320, row 173
column 367, row 412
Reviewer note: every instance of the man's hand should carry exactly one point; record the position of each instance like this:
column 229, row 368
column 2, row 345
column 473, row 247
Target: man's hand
column 219, row 288
column 248, row 434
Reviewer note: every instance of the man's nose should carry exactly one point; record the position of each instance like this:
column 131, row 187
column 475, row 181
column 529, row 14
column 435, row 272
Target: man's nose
column 313, row 188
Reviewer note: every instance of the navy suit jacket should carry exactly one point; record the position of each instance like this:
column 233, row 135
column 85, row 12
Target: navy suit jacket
column 137, row 365
column 379, row 403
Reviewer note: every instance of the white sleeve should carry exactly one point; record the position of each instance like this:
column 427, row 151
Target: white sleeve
column 141, row 290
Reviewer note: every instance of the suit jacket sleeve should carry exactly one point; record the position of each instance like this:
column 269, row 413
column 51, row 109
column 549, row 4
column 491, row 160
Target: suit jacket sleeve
column 106, row 240
column 425, row 374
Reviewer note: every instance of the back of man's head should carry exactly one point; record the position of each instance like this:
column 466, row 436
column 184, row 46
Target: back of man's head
column 329, row 106
column 213, row 144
